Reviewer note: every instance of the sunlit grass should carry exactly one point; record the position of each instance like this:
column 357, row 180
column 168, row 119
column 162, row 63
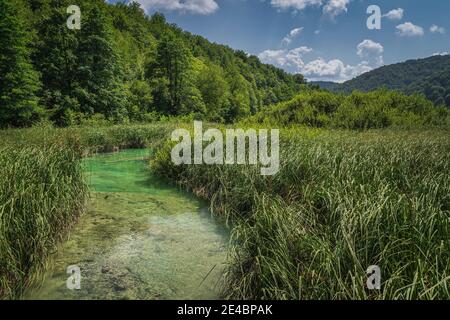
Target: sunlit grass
column 341, row 202
column 42, row 192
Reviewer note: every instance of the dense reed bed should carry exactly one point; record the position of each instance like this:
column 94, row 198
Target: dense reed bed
column 342, row 201
column 92, row 139
column 43, row 191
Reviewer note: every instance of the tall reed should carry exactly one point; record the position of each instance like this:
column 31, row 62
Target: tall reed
column 342, row 201
column 42, row 192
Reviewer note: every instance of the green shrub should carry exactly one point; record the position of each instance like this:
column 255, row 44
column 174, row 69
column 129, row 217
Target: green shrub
column 377, row 109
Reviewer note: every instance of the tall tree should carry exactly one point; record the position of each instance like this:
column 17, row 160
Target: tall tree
column 99, row 71
column 56, row 59
column 215, row 92
column 18, row 80
column 169, row 73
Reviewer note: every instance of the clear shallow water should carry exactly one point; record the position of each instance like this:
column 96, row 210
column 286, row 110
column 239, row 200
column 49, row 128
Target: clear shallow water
column 140, row 239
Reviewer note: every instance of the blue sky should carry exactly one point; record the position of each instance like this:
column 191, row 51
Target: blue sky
column 322, row 39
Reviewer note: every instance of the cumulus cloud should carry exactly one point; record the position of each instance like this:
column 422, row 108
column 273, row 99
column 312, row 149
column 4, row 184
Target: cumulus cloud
column 335, row 7
column 436, row 29
column 444, row 53
column 409, row 29
column 333, row 70
column 291, row 60
column 330, row 8
column 324, row 70
column 292, row 35
column 371, row 51
column 396, row 14
column 275, row 57
column 186, row 6
column 321, row 69
column 295, row 4
column 368, row 47
column 336, row 70
column 295, row 56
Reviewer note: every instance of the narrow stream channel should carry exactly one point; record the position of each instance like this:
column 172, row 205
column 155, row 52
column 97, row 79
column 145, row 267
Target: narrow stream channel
column 140, row 239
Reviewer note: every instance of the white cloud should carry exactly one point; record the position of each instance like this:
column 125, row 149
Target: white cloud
column 186, row 6
column 302, row 50
column 295, row 56
column 396, row 14
column 295, row 32
column 295, row 4
column 317, row 69
column 331, row 8
column 368, row 47
column 333, row 70
column 288, row 59
column 321, row 69
column 373, row 51
column 336, row 70
column 370, row 53
column 408, row 29
column 292, row 35
column 436, row 29
column 335, row 7
column 444, row 53
column 276, row 57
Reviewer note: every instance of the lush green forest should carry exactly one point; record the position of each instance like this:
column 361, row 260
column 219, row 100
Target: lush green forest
column 125, row 66
column 430, row 76
column 122, row 66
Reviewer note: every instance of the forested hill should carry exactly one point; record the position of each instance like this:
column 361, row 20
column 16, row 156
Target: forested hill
column 122, row 65
column 430, row 76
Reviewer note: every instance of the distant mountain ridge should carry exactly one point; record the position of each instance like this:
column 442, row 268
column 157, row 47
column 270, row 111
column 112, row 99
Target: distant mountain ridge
column 429, row 76
column 328, row 85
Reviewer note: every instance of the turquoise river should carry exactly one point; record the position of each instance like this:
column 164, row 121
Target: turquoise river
column 139, row 239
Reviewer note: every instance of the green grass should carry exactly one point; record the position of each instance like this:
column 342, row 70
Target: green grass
column 43, row 191
column 341, row 202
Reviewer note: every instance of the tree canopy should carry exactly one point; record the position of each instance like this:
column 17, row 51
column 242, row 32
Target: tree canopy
column 123, row 66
